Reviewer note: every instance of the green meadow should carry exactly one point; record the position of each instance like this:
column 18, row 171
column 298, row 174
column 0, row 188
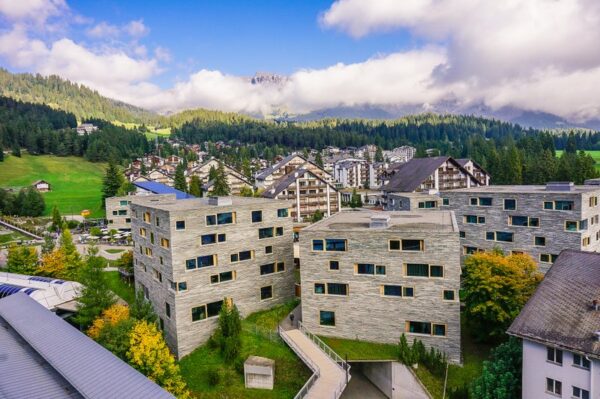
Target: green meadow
column 76, row 183
column 594, row 153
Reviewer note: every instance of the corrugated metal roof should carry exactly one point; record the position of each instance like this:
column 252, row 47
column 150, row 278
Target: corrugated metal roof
column 91, row 370
column 159, row 188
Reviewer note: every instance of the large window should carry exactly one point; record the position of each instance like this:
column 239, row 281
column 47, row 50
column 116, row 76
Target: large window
column 201, row 261
column 265, row 232
column 427, row 204
column 503, row 236
column 554, row 355
column 397, row 290
column 266, row 292
column 406, row 245
column 369, row 268
column 326, row 318
column 207, row 239
column 420, row 327
column 424, row 270
column 269, row 268
column 220, row 218
column 282, row 213
column 335, row 244
column 222, row 277
column 317, row 245
column 559, row 205
column 481, row 201
column 204, row 311
column 337, row 289
column 256, row 216
column 242, row 256
column 553, row 386
column 524, row 221
column 474, row 219
column 580, row 393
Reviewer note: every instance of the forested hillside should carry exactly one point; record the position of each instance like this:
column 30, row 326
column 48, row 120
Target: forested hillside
column 42, row 130
column 77, row 99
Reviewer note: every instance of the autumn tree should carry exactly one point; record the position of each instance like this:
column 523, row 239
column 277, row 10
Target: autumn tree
column 109, row 317
column 195, row 187
column 501, row 375
column 22, row 259
column 246, row 191
column 95, row 295
column 496, row 288
column 125, row 261
column 52, row 264
column 149, row 354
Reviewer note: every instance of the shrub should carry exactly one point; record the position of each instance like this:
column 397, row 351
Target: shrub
column 214, row 378
column 238, row 364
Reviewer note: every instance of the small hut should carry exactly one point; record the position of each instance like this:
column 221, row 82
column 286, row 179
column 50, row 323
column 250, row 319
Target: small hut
column 42, row 186
column 259, row 372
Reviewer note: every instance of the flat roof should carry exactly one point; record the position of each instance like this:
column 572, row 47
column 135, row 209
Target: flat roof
column 418, row 195
column 523, row 189
column 170, row 204
column 418, row 221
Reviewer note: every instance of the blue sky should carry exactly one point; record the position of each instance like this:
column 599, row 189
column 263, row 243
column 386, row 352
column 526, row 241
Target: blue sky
column 242, row 37
column 535, row 55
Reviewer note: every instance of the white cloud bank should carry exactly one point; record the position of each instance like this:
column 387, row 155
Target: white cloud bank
column 540, row 55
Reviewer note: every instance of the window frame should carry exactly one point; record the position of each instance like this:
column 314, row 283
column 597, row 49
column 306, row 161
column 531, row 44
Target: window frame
column 272, row 295
column 509, row 209
column 321, row 312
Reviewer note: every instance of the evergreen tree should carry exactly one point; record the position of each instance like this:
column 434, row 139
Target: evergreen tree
column 180, row 183
column 212, row 173
column 22, row 260
column 571, row 146
column 195, row 187
column 33, row 203
column 220, row 185
column 95, row 295
column 16, row 150
column 230, row 328
column 501, row 375
column 318, row 215
column 48, row 245
column 1, row 154
column 141, row 308
column 355, row 200
column 319, row 159
column 57, row 222
column 378, row 155
column 112, row 181
column 73, row 261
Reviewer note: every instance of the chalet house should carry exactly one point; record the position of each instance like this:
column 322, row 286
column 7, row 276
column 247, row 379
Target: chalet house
column 476, row 170
column 157, row 176
column 173, row 160
column 424, row 174
column 42, row 186
column 271, row 175
column 168, row 169
column 235, row 179
column 309, row 191
column 86, row 128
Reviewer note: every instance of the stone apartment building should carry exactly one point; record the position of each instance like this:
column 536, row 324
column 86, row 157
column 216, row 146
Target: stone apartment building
column 560, row 330
column 538, row 220
column 354, row 172
column 413, row 201
column 372, row 276
column 190, row 255
column 269, row 176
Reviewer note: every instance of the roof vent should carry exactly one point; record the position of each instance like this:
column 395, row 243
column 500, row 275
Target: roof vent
column 595, row 304
column 379, row 221
column 560, row 186
column 219, row 201
column 597, row 335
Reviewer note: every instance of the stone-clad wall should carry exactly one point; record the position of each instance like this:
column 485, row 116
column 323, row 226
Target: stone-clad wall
column 113, row 204
column 182, row 334
column 367, row 315
column 528, row 204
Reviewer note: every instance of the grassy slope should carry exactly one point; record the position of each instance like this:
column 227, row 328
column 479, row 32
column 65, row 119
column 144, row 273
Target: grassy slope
column 76, row 183
column 290, row 372
column 122, row 289
column 594, row 153
column 153, row 132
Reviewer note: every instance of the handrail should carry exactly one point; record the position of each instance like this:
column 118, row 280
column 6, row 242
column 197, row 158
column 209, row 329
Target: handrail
column 315, row 369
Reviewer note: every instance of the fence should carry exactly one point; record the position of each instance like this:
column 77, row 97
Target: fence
column 311, row 365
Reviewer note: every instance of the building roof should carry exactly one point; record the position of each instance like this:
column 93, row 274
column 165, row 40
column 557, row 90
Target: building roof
column 159, row 188
column 170, row 204
column 413, row 221
column 288, row 179
column 266, row 172
column 527, row 189
column 49, row 292
column 45, row 357
column 410, row 175
column 560, row 312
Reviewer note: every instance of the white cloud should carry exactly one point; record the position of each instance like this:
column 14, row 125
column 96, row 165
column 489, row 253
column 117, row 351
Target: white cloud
column 103, row 30
column 136, row 29
column 36, row 10
column 162, row 54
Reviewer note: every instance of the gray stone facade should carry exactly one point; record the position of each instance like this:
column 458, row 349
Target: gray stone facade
column 118, row 212
column 161, row 267
column 413, row 201
column 551, row 229
column 368, row 312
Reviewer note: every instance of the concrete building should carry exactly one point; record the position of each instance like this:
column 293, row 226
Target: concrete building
column 118, row 211
column 309, row 193
column 268, row 177
column 372, row 276
column 400, row 154
column 354, row 172
column 413, row 201
column 190, row 255
column 538, row 220
column 559, row 327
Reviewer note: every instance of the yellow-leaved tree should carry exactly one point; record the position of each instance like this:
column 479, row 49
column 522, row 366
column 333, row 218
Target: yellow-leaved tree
column 53, row 263
column 496, row 287
column 109, row 318
column 149, row 354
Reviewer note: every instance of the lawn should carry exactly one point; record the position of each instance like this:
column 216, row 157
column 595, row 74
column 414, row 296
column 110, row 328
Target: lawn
column 114, row 251
column 152, row 133
column 473, row 356
column 12, row 237
column 122, row 289
column 594, row 153
column 76, row 183
column 290, row 373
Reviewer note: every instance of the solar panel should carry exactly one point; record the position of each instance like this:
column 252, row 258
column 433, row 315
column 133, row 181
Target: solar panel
column 46, row 280
column 9, row 289
column 28, row 291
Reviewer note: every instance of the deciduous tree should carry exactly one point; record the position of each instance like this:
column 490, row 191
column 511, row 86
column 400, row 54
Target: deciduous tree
column 22, row 259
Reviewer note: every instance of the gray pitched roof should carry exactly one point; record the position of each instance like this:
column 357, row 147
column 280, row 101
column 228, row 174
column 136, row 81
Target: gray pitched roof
column 560, row 311
column 409, row 175
column 266, row 172
column 72, row 362
column 288, row 179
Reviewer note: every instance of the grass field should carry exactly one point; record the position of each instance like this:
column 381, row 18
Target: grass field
column 594, row 153
column 290, row 372
column 153, row 131
column 76, row 183
column 122, row 289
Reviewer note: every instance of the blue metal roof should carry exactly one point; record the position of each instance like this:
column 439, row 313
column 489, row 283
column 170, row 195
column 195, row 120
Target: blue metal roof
column 46, row 280
column 159, row 188
column 9, row 289
column 91, row 371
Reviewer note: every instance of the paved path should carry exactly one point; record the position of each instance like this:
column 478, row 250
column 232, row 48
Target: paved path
column 360, row 387
column 331, row 375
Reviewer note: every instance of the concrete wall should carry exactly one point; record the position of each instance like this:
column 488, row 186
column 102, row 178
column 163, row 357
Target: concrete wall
column 528, row 204
column 380, row 374
column 365, row 314
column 118, row 213
column 536, row 369
column 182, row 334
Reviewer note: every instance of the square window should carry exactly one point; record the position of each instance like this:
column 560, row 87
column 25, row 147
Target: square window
column 448, row 295
column 326, row 318
column 540, row 241
column 408, row 291
column 213, row 309
column 412, row 245
column 269, row 249
column 380, row 270
column 462, row 234
column 394, row 245
column 266, row 292
column 436, row 271
column 548, row 205
column 445, row 201
column 279, row 231
column 510, row 204
column 317, row 245
column 439, row 330
column 180, row 225
column 190, row 264
column 256, row 216
column 319, row 288
column 222, row 237
column 280, row 266
column 235, row 258
column 199, row 313
column 554, row 355
column 182, row 286
column 214, row 279
column 473, row 201
column 282, row 213
column 211, row 220
column 334, row 265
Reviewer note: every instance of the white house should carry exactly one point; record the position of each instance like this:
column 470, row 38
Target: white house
column 560, row 329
